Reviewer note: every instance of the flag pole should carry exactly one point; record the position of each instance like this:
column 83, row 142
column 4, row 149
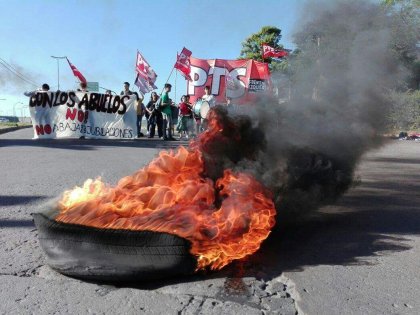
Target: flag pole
column 226, row 74
column 167, row 80
column 176, row 77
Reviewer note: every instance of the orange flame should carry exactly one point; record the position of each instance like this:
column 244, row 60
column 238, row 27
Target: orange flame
column 171, row 195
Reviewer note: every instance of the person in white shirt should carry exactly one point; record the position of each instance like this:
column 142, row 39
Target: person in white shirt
column 208, row 97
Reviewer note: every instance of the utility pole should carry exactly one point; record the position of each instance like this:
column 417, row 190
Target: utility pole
column 2, row 99
column 58, row 68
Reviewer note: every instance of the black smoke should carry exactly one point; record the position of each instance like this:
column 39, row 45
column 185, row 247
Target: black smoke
column 305, row 149
column 16, row 78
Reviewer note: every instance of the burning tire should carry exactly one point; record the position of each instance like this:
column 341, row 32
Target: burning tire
column 112, row 255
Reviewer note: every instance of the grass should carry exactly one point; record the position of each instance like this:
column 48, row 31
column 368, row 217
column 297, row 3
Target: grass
column 13, row 124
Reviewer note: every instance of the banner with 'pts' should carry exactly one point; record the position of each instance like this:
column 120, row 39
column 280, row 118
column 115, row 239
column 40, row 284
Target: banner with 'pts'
column 239, row 80
column 75, row 114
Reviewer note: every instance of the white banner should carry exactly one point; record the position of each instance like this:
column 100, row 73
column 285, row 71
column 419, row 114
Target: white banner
column 75, row 114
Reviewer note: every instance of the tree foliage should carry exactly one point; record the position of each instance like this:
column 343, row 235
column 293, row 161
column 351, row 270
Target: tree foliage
column 251, row 47
column 405, row 111
column 405, row 31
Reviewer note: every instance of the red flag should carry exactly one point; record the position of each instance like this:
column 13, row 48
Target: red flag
column 183, row 63
column 269, row 51
column 76, row 72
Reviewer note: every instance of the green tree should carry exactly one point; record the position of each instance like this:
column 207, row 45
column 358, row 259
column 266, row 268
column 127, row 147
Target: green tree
column 251, row 47
column 405, row 31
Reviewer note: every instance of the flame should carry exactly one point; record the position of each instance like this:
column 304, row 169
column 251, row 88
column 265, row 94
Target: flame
column 172, row 195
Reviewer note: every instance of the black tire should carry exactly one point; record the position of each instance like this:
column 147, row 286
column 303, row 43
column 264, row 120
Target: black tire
column 112, row 255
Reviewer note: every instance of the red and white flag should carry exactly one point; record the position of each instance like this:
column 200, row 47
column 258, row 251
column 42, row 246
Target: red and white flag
column 183, row 64
column 269, row 51
column 76, row 72
column 146, row 76
column 144, row 85
column 144, row 69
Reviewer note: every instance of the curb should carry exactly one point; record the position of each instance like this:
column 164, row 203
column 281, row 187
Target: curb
column 5, row 130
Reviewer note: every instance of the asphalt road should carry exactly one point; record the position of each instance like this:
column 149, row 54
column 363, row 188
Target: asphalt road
column 358, row 257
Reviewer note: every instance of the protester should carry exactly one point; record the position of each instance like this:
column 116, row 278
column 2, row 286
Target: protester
column 140, row 110
column 185, row 116
column 229, row 104
column 83, row 87
column 208, row 97
column 212, row 102
column 197, row 119
column 41, row 116
column 155, row 116
column 175, row 117
column 44, row 88
column 147, row 115
column 191, row 118
column 165, row 106
column 126, row 90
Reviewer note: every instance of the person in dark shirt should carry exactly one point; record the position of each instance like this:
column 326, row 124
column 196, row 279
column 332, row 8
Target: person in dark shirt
column 126, row 90
column 155, row 116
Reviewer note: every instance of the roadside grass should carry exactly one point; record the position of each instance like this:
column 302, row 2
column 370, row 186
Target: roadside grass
column 13, row 124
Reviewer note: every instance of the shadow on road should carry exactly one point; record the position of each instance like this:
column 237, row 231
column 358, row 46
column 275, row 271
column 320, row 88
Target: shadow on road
column 371, row 221
column 16, row 224
column 91, row 144
column 6, row 200
column 394, row 160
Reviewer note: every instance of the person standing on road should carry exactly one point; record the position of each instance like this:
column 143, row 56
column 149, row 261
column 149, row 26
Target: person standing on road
column 165, row 105
column 185, row 116
column 40, row 116
column 155, row 116
column 83, row 89
column 140, row 109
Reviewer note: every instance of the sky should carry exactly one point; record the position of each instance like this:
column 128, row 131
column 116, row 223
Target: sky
column 101, row 39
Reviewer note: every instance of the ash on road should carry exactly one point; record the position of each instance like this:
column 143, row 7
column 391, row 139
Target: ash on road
column 358, row 257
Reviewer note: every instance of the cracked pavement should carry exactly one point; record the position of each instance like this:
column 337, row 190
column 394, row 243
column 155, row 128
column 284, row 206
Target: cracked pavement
column 36, row 172
column 359, row 256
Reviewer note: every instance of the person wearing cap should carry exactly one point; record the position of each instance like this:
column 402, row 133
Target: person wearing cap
column 126, row 90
